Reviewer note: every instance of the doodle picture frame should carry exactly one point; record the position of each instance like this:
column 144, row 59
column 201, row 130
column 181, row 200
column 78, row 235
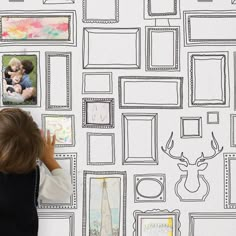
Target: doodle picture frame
column 190, row 127
column 68, row 161
column 161, row 221
column 66, row 35
column 58, row 1
column 109, row 188
column 58, row 73
column 233, row 130
column 98, row 113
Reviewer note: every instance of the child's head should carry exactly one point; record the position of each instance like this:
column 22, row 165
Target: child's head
column 17, row 88
column 15, row 64
column 27, row 66
column 20, row 141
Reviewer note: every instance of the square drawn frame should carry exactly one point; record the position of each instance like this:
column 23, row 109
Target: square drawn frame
column 156, row 214
column 107, row 21
column 158, row 178
column 176, row 53
column 97, row 73
column 211, row 113
column 111, row 102
column 68, row 56
column 58, row 1
column 121, row 86
column 112, row 135
column 123, row 31
column 43, row 118
column 39, row 77
column 148, row 14
column 193, row 216
column 127, row 160
column 72, row 40
column 123, row 197
column 188, row 15
column 182, row 134
column 224, row 57
column 70, row 216
column 72, row 157
column 232, row 134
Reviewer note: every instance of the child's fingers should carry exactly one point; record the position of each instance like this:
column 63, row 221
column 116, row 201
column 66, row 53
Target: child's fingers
column 42, row 135
column 48, row 137
column 53, row 139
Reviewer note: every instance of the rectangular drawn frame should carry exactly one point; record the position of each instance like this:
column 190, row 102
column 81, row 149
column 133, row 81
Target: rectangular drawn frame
column 182, row 133
column 58, row 1
column 123, row 198
column 68, row 69
column 31, row 14
column 72, row 157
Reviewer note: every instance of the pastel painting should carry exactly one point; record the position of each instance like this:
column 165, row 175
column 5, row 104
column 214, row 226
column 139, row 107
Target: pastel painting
column 36, row 28
column 105, row 205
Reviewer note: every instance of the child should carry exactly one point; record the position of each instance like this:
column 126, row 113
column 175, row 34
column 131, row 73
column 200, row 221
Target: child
column 26, row 67
column 13, row 66
column 21, row 180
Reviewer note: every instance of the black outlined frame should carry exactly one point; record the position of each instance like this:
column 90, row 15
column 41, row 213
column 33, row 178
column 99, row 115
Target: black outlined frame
column 68, row 71
column 159, row 179
column 149, row 14
column 151, row 157
column 136, row 62
column 72, row 127
column 219, row 16
column 58, row 1
column 70, row 216
column 115, row 19
column 39, row 89
column 86, row 115
column 197, row 134
column 232, row 130
column 86, row 91
column 175, row 31
column 228, row 159
column 123, row 198
column 156, row 214
column 195, row 57
column 72, row 158
column 71, row 41
column 216, row 114
column 194, row 216
column 112, row 137
column 177, row 82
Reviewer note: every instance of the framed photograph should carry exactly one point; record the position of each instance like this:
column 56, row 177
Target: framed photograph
column 104, row 203
column 139, row 139
column 38, row 28
column 98, row 113
column 191, row 127
column 62, row 126
column 157, row 222
column 21, row 80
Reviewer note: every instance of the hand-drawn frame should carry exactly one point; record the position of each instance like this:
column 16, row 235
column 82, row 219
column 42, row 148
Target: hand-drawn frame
column 217, row 117
column 232, row 128
column 182, row 133
column 152, row 160
column 176, row 48
column 58, row 1
column 72, row 157
column 146, row 79
column 123, row 198
column 156, row 214
column 68, row 69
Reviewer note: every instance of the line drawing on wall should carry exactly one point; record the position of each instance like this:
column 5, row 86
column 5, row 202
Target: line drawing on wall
column 150, row 188
column 34, row 31
column 200, row 223
column 58, row 1
column 163, row 222
column 140, row 139
column 58, row 81
column 100, row 148
column 104, row 202
column 191, row 127
column 101, row 11
column 97, row 83
column 57, row 223
column 162, row 48
column 161, row 9
column 199, row 28
column 98, row 113
column 156, row 92
column 233, row 1
column 68, row 161
column 16, row 0
column 205, row 70
column 232, row 130
column 124, row 43
column 192, row 187
column 213, row 117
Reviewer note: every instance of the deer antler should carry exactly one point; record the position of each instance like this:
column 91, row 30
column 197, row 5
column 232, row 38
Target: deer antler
column 169, row 146
column 216, row 148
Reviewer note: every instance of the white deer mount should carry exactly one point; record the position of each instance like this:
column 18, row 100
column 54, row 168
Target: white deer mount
column 192, row 186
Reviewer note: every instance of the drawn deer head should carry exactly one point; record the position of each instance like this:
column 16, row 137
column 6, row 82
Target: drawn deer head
column 192, row 183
